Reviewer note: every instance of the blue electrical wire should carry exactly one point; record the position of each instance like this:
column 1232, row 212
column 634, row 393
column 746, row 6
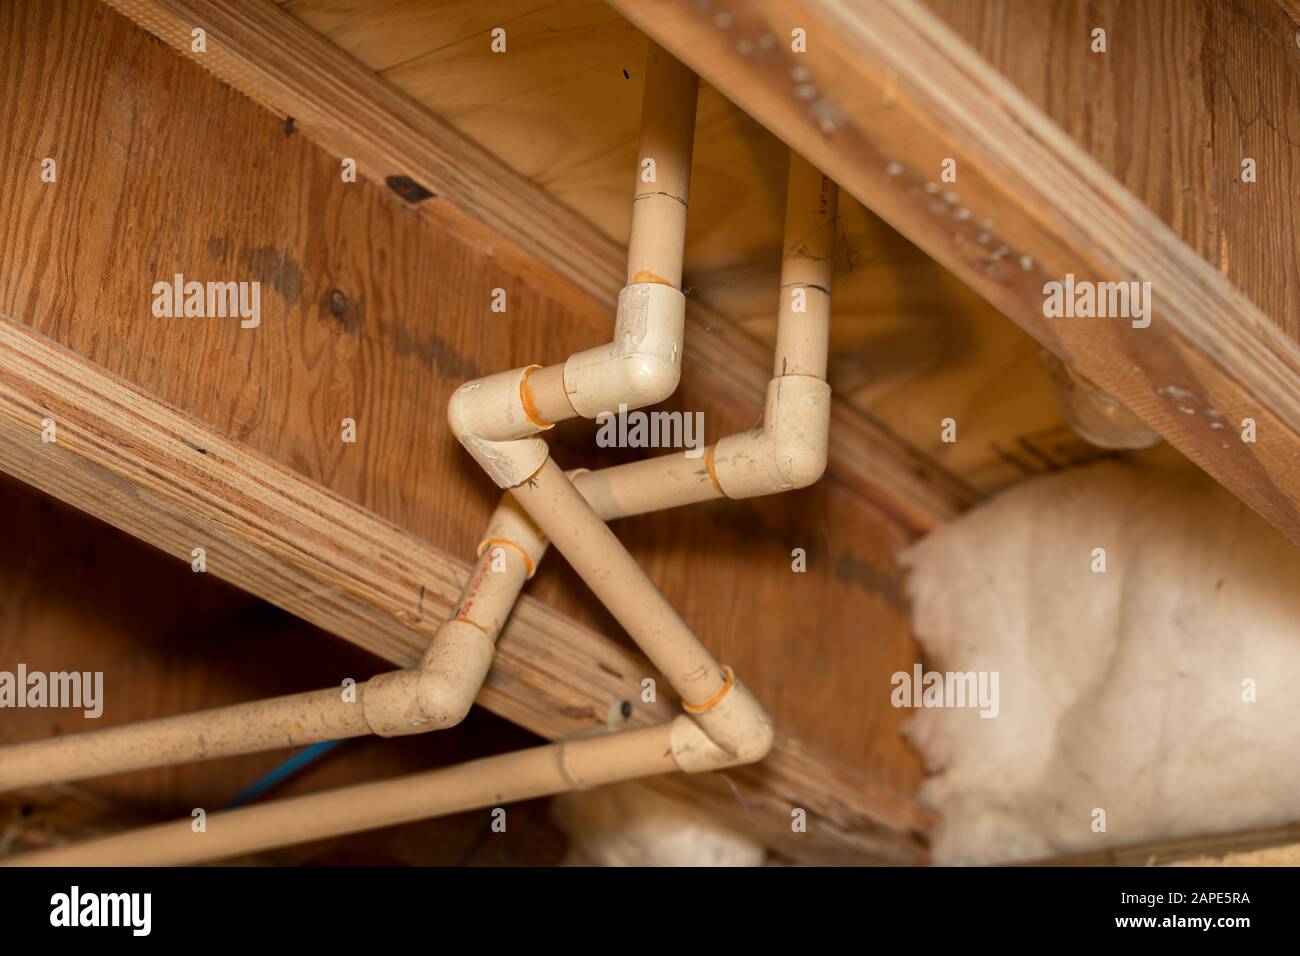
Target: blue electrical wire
column 273, row 778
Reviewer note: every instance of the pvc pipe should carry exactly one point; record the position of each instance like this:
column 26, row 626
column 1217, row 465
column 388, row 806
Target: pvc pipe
column 642, row 366
column 726, row 710
column 658, row 235
column 289, row 721
column 651, row 484
column 621, row 585
column 803, row 337
column 789, row 450
column 522, row 775
column 545, row 400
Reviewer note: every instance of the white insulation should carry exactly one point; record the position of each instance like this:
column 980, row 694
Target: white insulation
column 1126, row 691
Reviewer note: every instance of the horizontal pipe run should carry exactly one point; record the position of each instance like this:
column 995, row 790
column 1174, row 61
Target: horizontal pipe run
column 622, row 586
column 493, row 781
column 545, row 400
column 651, row 484
column 290, row 721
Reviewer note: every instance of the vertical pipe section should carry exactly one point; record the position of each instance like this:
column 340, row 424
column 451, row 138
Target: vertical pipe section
column 663, row 176
column 522, row 775
column 804, row 316
column 617, row 580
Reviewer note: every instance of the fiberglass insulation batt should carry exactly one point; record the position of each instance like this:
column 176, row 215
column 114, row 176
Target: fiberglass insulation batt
column 1127, row 691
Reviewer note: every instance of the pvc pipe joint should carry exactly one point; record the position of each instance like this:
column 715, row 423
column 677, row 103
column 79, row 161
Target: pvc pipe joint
column 789, row 450
column 488, row 417
column 733, row 730
column 642, row 365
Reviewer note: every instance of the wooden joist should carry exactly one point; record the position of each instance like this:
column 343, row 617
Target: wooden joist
column 162, row 476
column 343, row 106
column 885, row 93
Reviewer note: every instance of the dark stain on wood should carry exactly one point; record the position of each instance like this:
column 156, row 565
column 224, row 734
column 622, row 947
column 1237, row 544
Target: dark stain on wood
column 863, row 574
column 432, row 351
column 277, row 269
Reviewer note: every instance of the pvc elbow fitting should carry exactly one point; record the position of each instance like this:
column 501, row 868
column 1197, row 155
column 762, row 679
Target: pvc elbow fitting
column 452, row 673
column 788, row 451
column 488, row 417
column 439, row 693
column 734, row 731
column 642, row 366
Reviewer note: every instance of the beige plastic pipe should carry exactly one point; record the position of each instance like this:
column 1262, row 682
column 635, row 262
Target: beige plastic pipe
column 789, row 450
column 723, row 707
column 436, row 695
column 522, row 775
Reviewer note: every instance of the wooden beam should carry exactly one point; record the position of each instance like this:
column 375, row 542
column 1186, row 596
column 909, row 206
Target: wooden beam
column 886, row 92
column 336, row 101
column 142, row 466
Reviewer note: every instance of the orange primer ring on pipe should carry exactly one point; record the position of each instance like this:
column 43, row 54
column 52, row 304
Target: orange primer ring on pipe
column 473, row 623
column 530, row 407
column 713, row 475
column 712, row 701
column 489, row 542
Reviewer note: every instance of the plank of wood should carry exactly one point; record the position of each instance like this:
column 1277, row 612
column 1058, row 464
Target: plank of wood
column 283, row 64
column 1183, row 94
column 158, row 474
column 881, row 97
